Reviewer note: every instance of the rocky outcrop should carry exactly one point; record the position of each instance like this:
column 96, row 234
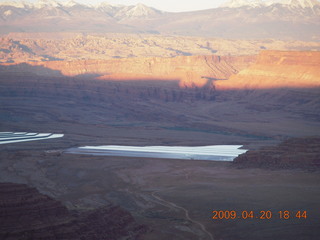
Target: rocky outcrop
column 303, row 153
column 277, row 69
column 27, row 214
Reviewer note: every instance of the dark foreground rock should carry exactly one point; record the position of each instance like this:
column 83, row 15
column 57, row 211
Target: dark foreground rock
column 303, row 153
column 27, row 214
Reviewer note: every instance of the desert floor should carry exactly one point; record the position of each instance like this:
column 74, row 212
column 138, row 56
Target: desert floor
column 175, row 198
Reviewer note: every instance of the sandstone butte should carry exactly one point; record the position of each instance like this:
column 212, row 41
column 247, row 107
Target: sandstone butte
column 277, row 69
column 191, row 71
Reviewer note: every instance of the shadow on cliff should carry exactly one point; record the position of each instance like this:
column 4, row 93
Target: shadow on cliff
column 182, row 79
column 34, row 81
column 83, row 102
column 147, row 87
column 25, row 69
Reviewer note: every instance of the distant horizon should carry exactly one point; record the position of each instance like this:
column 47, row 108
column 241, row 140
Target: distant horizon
column 164, row 5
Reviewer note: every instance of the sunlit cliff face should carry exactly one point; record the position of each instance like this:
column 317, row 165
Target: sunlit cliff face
column 272, row 69
column 277, row 69
column 190, row 71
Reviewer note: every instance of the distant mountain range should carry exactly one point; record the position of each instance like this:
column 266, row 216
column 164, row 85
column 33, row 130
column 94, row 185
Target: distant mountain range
column 280, row 19
column 260, row 3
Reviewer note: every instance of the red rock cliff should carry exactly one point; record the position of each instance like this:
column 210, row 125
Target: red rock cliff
column 277, row 69
column 190, row 70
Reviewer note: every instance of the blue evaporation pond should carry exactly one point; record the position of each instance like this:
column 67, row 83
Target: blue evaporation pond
column 14, row 137
column 211, row 153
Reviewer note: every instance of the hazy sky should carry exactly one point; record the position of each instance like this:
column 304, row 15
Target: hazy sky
column 165, row 5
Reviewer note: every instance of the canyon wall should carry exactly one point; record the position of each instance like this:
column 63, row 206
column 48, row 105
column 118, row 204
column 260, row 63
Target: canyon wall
column 189, row 70
column 27, row 214
column 271, row 69
column 277, row 69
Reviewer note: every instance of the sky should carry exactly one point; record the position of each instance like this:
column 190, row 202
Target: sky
column 164, row 5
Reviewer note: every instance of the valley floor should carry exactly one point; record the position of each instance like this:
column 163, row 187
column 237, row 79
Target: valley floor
column 175, row 198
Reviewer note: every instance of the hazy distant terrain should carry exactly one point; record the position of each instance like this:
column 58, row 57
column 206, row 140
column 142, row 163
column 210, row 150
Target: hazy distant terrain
column 22, row 47
column 289, row 20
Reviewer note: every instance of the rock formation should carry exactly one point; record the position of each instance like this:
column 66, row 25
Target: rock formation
column 303, row 153
column 27, row 214
column 272, row 70
column 189, row 70
column 27, row 47
column 277, row 69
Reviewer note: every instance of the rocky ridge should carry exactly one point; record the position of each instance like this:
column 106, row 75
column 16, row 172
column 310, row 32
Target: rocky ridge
column 302, row 153
column 27, row 214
